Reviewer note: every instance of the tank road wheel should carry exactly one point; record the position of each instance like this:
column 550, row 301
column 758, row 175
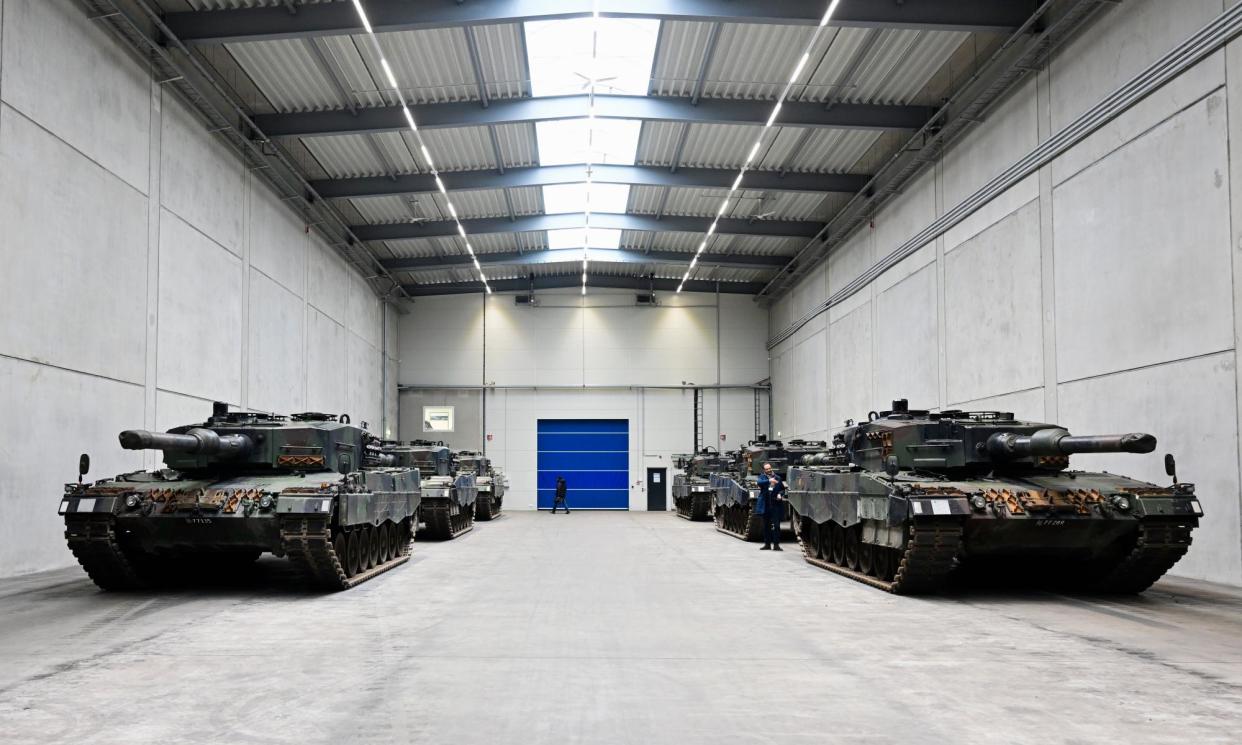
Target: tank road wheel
column 795, row 523
column 340, row 545
column 838, row 544
column 824, row 535
column 369, row 554
column 853, row 537
column 353, row 563
column 866, row 556
column 385, row 544
column 399, row 540
column 884, row 563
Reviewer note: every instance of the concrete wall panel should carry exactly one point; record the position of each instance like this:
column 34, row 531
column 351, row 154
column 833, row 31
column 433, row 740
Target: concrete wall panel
column 278, row 240
column 327, row 287
column 200, row 312
column 276, row 368
column 1143, row 273
column 202, row 179
column 72, row 291
column 992, row 310
column 906, row 343
column 850, row 368
column 52, row 47
column 326, row 365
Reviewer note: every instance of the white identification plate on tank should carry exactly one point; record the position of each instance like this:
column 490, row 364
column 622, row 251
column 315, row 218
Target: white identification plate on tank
column 326, row 506
column 940, row 507
column 917, row 507
column 64, row 506
column 1198, row 507
column 86, row 504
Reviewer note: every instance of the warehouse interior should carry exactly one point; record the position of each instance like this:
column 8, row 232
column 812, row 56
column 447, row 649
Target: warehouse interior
column 583, row 241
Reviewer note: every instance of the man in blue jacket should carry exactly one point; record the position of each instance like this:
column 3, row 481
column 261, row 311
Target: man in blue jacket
column 771, row 504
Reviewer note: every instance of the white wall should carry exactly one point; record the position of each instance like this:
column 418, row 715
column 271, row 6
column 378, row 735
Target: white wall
column 1099, row 293
column 145, row 274
column 600, row 340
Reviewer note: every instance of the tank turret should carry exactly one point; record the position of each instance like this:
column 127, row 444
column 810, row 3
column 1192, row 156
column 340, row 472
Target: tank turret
column 975, row 441
column 245, row 441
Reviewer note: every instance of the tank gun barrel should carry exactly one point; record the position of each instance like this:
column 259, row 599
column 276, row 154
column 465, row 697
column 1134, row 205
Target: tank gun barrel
column 196, row 441
column 1055, row 442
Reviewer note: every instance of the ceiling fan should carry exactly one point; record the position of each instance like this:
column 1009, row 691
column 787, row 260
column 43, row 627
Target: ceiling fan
column 588, row 81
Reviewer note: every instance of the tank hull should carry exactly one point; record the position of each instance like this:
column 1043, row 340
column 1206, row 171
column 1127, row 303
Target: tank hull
column 490, row 499
column 143, row 529
column 448, row 506
column 910, row 534
column 693, row 498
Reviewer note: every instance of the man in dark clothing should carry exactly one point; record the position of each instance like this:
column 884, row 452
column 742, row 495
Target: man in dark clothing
column 559, row 500
column 771, row 504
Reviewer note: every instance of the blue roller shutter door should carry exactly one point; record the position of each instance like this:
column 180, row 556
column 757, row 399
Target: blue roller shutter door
column 594, row 457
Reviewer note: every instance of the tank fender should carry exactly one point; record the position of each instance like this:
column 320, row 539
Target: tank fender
column 937, row 506
column 1167, row 506
column 304, row 504
column 108, row 504
column 376, row 507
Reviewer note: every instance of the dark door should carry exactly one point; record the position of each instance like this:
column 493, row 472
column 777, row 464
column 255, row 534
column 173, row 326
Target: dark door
column 657, row 489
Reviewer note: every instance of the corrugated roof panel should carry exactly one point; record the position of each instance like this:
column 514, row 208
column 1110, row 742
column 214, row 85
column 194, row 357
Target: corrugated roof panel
column 387, row 210
column 474, row 203
column 753, row 61
column 679, row 57
column 527, row 200
column 782, row 205
column 898, row 63
column 518, row 145
column 288, row 74
column 431, row 65
column 458, row 148
column 346, row 156
column 502, row 58
column 229, row 4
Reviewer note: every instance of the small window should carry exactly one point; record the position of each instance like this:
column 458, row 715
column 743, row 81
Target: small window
column 437, row 418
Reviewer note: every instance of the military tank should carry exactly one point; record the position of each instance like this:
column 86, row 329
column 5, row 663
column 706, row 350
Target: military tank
column 489, row 480
column 310, row 487
column 693, row 494
column 448, row 497
column 908, row 498
column 737, row 489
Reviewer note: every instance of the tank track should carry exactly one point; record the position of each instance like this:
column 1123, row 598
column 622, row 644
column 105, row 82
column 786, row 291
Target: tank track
column 486, row 508
column 446, row 521
column 739, row 522
column 695, row 507
column 921, row 567
column 309, row 544
column 94, row 544
column 1158, row 547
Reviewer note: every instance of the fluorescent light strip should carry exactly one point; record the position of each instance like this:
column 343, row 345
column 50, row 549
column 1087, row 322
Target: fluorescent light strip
column 418, row 135
column 586, row 233
column 754, row 149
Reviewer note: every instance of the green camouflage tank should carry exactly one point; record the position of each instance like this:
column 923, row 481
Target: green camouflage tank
column 311, row 487
column 907, row 498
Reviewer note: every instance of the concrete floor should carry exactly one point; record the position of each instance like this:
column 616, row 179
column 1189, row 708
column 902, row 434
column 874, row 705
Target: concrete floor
column 612, row 628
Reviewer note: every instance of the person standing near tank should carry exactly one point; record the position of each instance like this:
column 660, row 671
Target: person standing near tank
column 771, row 504
column 559, row 499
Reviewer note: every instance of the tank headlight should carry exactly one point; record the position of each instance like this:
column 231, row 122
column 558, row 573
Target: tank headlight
column 1121, row 502
column 979, row 503
column 265, row 502
column 132, row 501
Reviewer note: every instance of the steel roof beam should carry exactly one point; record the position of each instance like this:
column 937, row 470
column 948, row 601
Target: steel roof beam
column 595, row 256
column 605, row 220
column 648, row 108
column 331, row 19
column 692, row 178
column 575, row 281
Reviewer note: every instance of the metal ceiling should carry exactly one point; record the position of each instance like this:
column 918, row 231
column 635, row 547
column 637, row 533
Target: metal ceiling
column 717, row 66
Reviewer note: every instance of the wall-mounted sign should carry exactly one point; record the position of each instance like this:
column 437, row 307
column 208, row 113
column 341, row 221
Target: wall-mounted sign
column 437, row 418
column 489, row 437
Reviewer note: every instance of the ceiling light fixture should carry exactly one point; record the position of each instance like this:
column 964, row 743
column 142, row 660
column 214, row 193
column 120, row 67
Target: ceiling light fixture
column 754, row 150
column 418, row 135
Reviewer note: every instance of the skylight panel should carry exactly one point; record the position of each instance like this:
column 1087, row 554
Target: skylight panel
column 563, row 56
column 567, row 141
column 577, row 238
column 560, row 198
